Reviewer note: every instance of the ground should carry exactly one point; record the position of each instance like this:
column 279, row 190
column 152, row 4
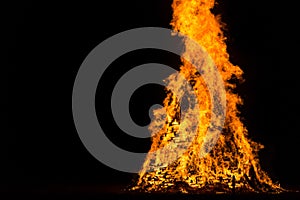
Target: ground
column 112, row 192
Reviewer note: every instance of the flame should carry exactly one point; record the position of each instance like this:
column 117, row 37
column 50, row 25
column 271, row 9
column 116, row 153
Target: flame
column 233, row 162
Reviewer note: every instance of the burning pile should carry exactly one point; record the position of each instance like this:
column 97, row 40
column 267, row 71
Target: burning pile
column 233, row 162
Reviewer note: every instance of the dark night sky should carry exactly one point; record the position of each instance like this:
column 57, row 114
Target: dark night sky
column 51, row 39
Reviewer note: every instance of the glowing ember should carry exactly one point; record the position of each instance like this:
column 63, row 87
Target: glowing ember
column 233, row 162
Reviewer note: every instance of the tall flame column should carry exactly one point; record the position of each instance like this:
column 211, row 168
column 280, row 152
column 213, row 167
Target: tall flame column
column 233, row 162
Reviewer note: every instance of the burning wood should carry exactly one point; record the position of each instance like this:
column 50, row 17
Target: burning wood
column 233, row 163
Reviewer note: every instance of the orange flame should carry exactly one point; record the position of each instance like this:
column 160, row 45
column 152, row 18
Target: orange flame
column 233, row 162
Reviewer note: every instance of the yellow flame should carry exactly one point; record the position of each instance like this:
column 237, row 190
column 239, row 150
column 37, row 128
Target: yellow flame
column 233, row 162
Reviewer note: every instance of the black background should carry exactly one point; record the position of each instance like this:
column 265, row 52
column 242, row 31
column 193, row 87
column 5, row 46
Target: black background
column 48, row 40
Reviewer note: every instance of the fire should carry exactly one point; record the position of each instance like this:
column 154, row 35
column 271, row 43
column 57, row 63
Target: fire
column 233, row 162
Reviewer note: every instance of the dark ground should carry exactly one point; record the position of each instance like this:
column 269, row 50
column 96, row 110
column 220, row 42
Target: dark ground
column 47, row 42
column 113, row 192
